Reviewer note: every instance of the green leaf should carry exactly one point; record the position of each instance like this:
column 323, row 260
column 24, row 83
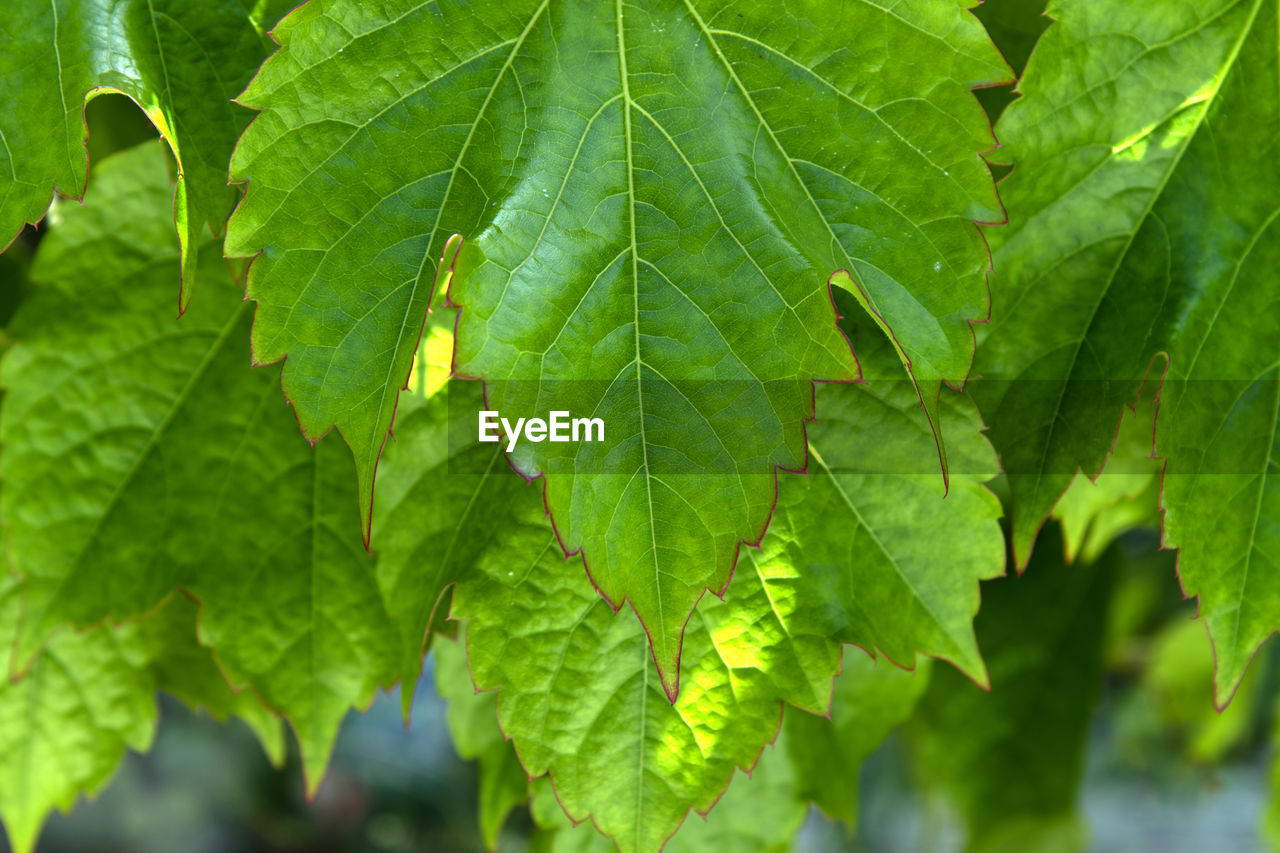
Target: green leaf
column 1125, row 495
column 1218, row 422
column 870, row 701
column 473, row 723
column 182, row 62
column 581, row 698
column 813, row 759
column 100, row 434
column 1113, row 143
column 140, row 453
column 1010, row 759
column 87, row 697
column 89, row 702
column 759, row 813
column 650, row 247
column 439, row 491
column 302, row 620
column 892, row 557
column 189, row 671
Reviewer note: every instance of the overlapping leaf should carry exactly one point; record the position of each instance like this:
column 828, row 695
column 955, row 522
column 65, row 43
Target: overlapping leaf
column 1112, row 143
column 65, row 725
column 140, row 453
column 580, row 696
column 444, row 500
column 1010, row 759
column 760, row 813
column 814, row 759
column 1125, row 495
column 870, row 701
column 854, row 527
column 1218, row 422
column 653, row 218
column 181, row 61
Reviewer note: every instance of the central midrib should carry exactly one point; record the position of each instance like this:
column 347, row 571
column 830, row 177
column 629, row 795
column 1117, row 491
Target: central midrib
column 644, row 443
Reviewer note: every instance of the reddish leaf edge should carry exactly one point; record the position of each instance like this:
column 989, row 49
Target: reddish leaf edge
column 747, row 769
column 670, row 681
column 444, row 276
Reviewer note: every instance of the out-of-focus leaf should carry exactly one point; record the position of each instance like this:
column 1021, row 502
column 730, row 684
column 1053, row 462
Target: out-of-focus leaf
column 181, row 61
column 1174, row 700
column 1125, row 495
column 140, row 453
column 655, row 195
column 1010, row 759
column 871, row 699
column 473, row 723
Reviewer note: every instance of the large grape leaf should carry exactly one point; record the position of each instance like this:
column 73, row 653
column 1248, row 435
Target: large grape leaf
column 1112, row 143
column 65, row 725
column 140, row 453
column 181, row 61
column 1010, row 759
column 1217, row 426
column 655, row 195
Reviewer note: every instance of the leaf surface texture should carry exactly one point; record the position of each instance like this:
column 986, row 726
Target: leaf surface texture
column 652, row 219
